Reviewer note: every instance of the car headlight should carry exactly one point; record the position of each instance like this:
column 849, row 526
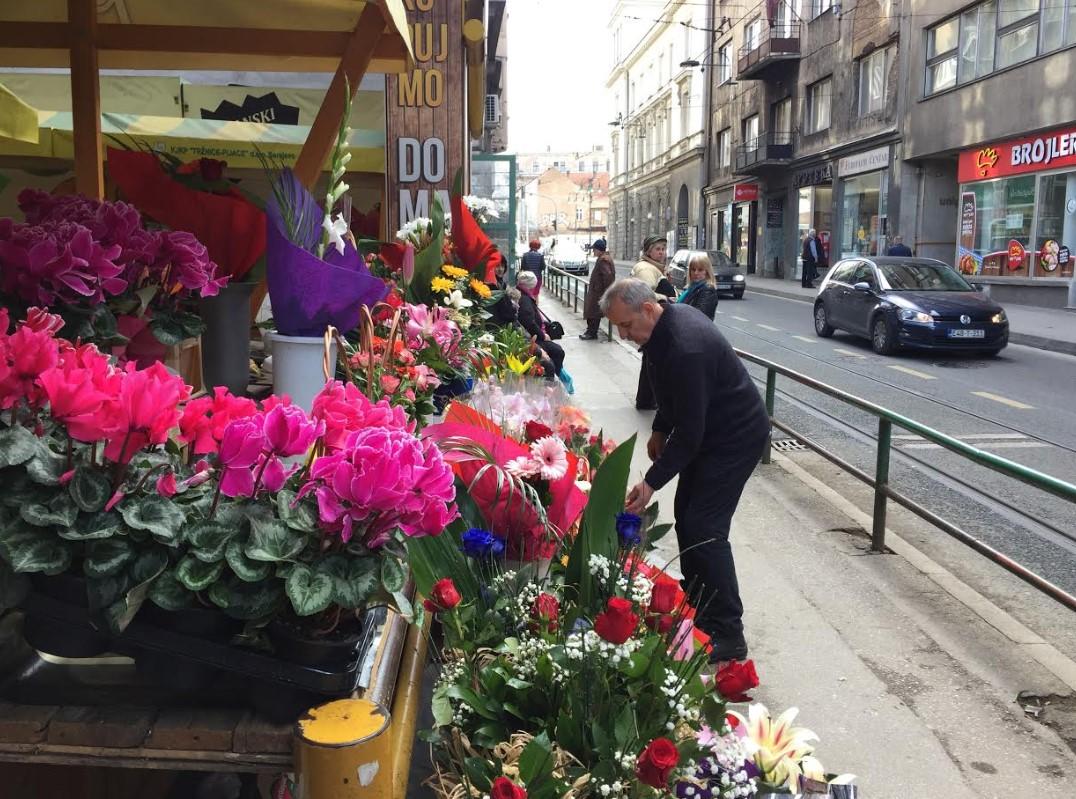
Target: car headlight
column 908, row 315
column 738, row 278
column 999, row 317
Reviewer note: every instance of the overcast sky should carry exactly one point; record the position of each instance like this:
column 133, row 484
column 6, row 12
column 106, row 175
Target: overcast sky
column 559, row 54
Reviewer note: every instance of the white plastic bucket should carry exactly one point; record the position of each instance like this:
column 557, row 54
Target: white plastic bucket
column 298, row 369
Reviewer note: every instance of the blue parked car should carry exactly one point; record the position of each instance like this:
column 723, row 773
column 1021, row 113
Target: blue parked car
column 908, row 302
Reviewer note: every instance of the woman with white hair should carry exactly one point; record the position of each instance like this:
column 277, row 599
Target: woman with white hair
column 530, row 319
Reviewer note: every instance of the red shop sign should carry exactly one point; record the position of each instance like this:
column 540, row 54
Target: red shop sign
column 1019, row 156
column 1016, row 255
column 744, row 192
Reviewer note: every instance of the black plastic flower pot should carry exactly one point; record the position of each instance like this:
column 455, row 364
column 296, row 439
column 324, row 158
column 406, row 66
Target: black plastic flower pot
column 201, row 622
column 331, row 652
column 226, row 340
column 182, row 675
column 74, row 636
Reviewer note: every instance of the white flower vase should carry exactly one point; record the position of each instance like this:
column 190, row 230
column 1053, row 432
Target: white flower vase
column 298, row 367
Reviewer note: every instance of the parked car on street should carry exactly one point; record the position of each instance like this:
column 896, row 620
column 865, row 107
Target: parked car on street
column 908, row 302
column 729, row 279
column 571, row 258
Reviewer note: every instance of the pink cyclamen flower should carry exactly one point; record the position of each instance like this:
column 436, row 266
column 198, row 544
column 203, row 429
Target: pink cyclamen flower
column 383, row 479
column 166, row 484
column 289, row 431
column 551, row 456
column 29, row 354
column 344, row 409
column 147, row 408
column 240, row 448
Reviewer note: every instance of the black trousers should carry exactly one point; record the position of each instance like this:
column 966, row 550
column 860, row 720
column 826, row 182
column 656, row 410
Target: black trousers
column 644, row 396
column 810, row 272
column 706, row 498
column 593, row 325
column 555, row 353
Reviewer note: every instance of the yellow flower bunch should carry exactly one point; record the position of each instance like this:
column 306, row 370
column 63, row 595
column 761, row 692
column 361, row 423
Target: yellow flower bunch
column 442, row 284
column 454, row 272
column 480, row 288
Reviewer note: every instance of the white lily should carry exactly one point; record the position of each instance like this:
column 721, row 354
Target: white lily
column 336, row 228
column 457, row 300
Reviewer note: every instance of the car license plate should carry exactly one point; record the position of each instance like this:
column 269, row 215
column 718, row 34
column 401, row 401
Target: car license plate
column 724, row 285
column 967, row 333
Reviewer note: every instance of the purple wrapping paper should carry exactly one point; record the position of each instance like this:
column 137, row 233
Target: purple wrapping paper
column 309, row 294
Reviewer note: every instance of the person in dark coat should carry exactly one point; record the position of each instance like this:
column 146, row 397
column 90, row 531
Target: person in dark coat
column 534, row 261
column 601, row 277
column 711, row 429
column 502, row 313
column 899, row 248
column 814, row 259
column 530, row 319
column 701, row 291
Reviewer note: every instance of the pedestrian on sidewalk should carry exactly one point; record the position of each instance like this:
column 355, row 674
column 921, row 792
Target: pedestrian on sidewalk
column 533, row 261
column 710, row 429
column 601, row 277
column 899, row 248
column 814, row 258
column 651, row 270
column 701, row 291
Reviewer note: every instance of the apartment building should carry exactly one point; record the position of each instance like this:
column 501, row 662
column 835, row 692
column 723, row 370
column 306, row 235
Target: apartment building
column 657, row 123
column 803, row 130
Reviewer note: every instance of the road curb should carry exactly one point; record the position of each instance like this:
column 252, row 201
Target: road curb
column 1023, row 638
column 1026, row 339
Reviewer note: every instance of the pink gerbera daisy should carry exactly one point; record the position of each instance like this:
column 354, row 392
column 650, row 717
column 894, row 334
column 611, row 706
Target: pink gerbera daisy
column 523, row 466
column 552, row 458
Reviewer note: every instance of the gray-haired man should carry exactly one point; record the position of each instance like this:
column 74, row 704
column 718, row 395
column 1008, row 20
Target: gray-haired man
column 710, row 429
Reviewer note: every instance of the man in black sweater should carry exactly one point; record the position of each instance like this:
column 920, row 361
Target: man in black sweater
column 710, row 429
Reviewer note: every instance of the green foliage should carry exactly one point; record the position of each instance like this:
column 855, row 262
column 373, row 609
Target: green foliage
column 429, row 260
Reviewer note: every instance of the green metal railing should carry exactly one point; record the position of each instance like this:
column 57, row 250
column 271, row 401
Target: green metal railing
column 880, row 480
column 570, row 290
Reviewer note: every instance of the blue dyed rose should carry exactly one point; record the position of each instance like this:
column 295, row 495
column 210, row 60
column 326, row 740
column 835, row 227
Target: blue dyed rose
column 629, row 528
column 482, row 544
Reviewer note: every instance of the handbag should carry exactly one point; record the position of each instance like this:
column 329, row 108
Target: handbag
column 553, row 328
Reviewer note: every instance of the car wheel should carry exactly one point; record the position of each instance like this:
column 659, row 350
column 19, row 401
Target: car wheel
column 883, row 337
column 993, row 353
column 822, row 326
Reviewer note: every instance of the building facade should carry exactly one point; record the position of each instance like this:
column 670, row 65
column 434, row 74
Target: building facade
column 568, row 206
column 657, row 118
column 990, row 143
column 495, row 110
column 594, row 160
column 803, row 131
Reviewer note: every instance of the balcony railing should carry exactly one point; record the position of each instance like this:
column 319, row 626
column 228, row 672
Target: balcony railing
column 775, row 46
column 768, row 149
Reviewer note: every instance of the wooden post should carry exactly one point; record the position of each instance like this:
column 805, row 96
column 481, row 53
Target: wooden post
column 353, row 64
column 86, row 98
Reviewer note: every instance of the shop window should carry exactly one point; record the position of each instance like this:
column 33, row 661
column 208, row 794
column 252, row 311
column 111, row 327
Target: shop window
column 999, row 213
column 818, row 102
column 863, row 218
column 872, row 81
column 1055, row 233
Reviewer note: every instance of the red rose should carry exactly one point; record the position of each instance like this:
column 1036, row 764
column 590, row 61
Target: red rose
column 504, row 788
column 665, row 596
column 443, row 596
column 617, row 622
column 656, row 762
column 212, row 170
column 735, row 679
column 546, row 609
column 535, row 430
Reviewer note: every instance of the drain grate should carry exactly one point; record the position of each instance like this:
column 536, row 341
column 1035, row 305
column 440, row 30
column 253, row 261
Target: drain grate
column 789, row 445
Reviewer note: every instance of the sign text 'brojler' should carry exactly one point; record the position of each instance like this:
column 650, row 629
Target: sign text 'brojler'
column 1019, row 156
column 426, row 140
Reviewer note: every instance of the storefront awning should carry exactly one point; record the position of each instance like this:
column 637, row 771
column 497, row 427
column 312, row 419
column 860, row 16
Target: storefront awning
column 18, row 121
column 267, row 35
column 238, row 143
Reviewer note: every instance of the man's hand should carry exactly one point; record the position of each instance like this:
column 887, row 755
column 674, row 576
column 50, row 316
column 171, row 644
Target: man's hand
column 639, row 498
column 655, row 445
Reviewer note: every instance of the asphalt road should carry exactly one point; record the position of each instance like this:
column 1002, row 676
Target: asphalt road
column 1020, row 405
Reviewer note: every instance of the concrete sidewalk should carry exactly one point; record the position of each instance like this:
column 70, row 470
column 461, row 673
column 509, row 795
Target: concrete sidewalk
column 906, row 687
column 1042, row 328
